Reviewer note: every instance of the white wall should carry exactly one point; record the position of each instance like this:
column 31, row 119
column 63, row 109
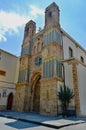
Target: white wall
column 69, row 79
column 10, row 64
column 81, row 70
column 82, row 87
column 77, row 51
column 3, row 100
column 68, row 75
column 81, row 73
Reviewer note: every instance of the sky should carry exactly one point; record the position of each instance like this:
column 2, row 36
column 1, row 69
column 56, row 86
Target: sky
column 14, row 14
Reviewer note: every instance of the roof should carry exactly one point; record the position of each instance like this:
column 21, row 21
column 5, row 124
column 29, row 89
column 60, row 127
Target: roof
column 74, row 41
column 8, row 53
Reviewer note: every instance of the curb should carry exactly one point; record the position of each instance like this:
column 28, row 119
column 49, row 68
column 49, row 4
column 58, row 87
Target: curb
column 43, row 124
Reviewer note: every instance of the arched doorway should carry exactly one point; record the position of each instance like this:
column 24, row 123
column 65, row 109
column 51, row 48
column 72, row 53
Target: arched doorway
column 10, row 101
column 36, row 93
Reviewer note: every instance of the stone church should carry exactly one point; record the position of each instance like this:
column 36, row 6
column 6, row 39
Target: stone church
column 50, row 59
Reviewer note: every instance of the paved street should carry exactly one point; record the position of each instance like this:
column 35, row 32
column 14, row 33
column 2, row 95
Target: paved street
column 75, row 127
column 11, row 120
column 11, row 124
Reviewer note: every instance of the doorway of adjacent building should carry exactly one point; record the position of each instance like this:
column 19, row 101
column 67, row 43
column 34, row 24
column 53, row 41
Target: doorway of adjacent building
column 36, row 94
column 10, row 101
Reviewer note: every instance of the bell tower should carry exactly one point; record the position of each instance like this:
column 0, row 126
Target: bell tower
column 52, row 15
column 51, row 59
column 30, row 30
column 24, row 69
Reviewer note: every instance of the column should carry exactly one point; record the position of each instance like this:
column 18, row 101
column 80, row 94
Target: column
column 76, row 89
column 55, row 75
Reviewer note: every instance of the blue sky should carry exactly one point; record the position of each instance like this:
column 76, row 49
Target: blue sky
column 15, row 13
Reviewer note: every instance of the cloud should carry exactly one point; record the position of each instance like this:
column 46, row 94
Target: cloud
column 34, row 11
column 11, row 21
column 2, row 38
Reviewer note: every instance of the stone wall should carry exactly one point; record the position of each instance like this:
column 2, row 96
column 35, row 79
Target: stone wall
column 48, row 97
column 76, row 87
column 20, row 96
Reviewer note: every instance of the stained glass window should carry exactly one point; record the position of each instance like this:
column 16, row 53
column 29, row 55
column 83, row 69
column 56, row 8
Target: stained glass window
column 59, row 68
column 22, row 76
column 48, row 68
column 25, row 50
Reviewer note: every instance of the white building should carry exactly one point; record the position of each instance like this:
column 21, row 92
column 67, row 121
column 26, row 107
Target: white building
column 8, row 78
column 74, row 60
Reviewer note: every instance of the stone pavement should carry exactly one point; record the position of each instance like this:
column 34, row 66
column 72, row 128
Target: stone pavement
column 49, row 121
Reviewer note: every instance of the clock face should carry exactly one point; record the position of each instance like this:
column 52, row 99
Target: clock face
column 45, row 53
column 38, row 61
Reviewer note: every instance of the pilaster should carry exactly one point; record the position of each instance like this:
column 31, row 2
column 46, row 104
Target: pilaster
column 76, row 88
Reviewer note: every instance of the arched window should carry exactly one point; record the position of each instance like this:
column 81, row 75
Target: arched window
column 34, row 49
column 50, row 14
column 0, row 55
column 0, row 95
column 4, row 93
column 82, row 59
column 38, row 47
column 70, row 52
column 41, row 45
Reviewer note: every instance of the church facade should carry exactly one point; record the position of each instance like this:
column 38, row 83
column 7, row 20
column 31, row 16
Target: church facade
column 50, row 59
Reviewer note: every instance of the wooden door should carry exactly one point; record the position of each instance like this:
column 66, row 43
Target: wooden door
column 10, row 101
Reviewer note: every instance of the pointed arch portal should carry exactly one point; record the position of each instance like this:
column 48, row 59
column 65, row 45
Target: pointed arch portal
column 36, row 92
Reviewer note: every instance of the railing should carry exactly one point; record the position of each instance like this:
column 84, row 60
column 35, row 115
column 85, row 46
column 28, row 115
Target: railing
column 70, row 112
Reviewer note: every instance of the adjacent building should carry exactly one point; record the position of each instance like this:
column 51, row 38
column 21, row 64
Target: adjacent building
column 9, row 69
